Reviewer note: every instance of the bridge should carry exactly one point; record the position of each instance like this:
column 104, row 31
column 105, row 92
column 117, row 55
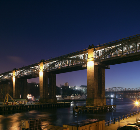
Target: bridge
column 95, row 59
column 120, row 93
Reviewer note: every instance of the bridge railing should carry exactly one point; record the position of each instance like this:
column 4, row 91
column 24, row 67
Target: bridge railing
column 117, row 48
column 6, row 77
column 123, row 89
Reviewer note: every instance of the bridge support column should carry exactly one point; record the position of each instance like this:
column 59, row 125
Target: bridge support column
column 47, row 84
column 19, row 87
column 52, row 88
column 43, row 84
column 16, row 88
column 95, row 82
column 16, row 91
column 14, row 84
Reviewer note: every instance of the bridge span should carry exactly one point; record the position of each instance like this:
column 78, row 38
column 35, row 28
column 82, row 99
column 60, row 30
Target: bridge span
column 95, row 59
column 121, row 93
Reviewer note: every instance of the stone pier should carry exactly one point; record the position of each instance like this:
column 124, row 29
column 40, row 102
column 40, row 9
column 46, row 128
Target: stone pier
column 19, row 87
column 95, row 82
column 47, row 83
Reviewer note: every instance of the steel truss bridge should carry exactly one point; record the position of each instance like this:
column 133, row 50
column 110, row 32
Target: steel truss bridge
column 120, row 92
column 115, row 52
column 119, row 89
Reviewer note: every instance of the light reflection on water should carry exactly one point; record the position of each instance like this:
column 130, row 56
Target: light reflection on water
column 60, row 116
column 111, row 102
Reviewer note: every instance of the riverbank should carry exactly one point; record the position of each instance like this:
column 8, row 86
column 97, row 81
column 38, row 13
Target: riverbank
column 62, row 115
column 124, row 120
column 23, row 107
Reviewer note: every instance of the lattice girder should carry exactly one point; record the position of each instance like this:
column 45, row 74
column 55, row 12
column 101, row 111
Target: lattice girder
column 118, row 48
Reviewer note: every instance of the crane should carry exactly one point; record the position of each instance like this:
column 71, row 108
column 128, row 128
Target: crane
column 7, row 98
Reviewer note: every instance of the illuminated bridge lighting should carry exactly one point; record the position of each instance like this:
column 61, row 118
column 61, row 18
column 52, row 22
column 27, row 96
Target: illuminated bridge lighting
column 118, row 51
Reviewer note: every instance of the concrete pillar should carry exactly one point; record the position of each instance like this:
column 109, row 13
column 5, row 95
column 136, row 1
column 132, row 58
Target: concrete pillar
column 19, row 87
column 14, row 85
column 100, row 80
column 90, row 75
column 43, row 84
column 52, row 88
column 95, row 82
column 47, row 84
column 16, row 90
column 41, row 80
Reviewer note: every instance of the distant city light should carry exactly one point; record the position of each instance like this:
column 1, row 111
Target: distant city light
column 112, row 95
column 30, row 97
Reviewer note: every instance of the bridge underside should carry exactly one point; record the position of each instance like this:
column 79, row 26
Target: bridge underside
column 123, row 59
column 69, row 69
column 28, row 76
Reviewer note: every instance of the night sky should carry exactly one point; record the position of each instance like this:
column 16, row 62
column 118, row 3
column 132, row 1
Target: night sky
column 31, row 30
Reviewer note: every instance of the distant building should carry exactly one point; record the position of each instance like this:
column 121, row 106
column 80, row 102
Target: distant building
column 66, row 84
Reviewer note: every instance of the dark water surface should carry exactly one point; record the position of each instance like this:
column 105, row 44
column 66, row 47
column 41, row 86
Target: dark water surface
column 60, row 116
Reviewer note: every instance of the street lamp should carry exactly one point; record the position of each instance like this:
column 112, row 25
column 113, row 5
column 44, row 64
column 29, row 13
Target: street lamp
column 137, row 104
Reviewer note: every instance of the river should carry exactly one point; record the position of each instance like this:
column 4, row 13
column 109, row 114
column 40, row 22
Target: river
column 60, row 116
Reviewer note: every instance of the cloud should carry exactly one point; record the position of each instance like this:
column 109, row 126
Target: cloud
column 16, row 59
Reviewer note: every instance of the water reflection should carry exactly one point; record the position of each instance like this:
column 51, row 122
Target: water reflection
column 111, row 101
column 60, row 116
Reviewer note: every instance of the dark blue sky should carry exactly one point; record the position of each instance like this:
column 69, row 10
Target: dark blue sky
column 31, row 30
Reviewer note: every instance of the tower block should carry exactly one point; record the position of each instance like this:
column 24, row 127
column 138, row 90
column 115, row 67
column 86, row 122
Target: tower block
column 95, row 82
column 47, row 84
